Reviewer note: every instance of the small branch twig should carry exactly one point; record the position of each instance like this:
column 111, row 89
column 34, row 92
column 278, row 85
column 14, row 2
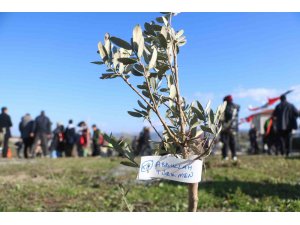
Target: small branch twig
column 137, row 92
column 155, row 130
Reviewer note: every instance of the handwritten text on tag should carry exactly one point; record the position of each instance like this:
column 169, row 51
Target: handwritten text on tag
column 170, row 168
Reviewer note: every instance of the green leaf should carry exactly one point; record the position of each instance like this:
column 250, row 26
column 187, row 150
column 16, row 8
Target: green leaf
column 153, row 75
column 149, row 29
column 170, row 81
column 219, row 130
column 153, row 59
column 134, row 114
column 137, row 70
column 163, row 41
column 142, row 105
column 130, row 164
column 193, row 126
column 141, row 112
column 127, row 61
column 162, row 71
column 146, row 93
column 179, row 34
column 98, row 62
column 156, row 27
column 213, row 128
column 199, row 133
column 138, row 40
column 108, row 76
column 144, row 87
column 162, row 56
column 164, row 89
column 199, row 114
column 121, row 43
column 182, row 43
column 114, row 143
column 146, row 57
column 128, row 68
column 206, row 129
column 181, row 39
column 165, row 20
column 153, row 83
column 164, row 32
column 159, row 19
column 200, row 107
column 212, row 116
column 107, row 45
column 102, row 51
column 172, row 91
column 207, row 108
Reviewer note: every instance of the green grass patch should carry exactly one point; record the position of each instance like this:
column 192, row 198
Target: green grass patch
column 255, row 183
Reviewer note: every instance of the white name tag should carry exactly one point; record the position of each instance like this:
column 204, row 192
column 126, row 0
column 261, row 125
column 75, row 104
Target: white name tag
column 170, row 168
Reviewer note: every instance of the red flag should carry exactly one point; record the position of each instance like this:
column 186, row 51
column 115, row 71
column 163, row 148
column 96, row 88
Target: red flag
column 270, row 102
column 247, row 119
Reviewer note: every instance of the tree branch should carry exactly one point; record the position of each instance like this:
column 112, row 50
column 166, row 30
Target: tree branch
column 155, row 109
column 137, row 92
column 178, row 101
column 155, row 130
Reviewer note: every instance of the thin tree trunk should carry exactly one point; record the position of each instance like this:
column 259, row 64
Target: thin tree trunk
column 192, row 189
column 193, row 197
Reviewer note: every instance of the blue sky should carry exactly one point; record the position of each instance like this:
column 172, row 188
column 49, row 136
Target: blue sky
column 44, row 63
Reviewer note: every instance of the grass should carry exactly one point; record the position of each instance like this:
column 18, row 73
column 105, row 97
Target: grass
column 255, row 183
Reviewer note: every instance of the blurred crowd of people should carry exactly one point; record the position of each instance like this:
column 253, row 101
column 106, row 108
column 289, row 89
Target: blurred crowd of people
column 277, row 130
column 37, row 139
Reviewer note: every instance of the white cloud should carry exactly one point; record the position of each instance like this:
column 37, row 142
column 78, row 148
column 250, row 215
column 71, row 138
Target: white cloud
column 256, row 94
column 262, row 94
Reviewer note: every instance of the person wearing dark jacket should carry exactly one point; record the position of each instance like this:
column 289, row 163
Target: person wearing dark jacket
column 83, row 139
column 5, row 125
column 26, row 130
column 253, row 140
column 96, row 141
column 285, row 116
column 42, row 131
column 57, row 143
column 70, row 138
column 229, row 128
column 143, row 146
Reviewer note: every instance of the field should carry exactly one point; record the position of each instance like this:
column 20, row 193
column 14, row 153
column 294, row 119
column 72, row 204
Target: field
column 255, row 183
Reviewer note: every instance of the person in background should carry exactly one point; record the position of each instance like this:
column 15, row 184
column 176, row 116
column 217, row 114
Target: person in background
column 57, row 143
column 143, row 146
column 19, row 146
column 97, row 141
column 5, row 125
column 270, row 139
column 134, row 145
column 42, row 132
column 253, row 139
column 70, row 138
column 229, row 128
column 83, row 139
column 285, row 117
column 26, row 130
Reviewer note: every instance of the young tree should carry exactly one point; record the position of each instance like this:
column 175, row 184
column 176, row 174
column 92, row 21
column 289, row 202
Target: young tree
column 151, row 57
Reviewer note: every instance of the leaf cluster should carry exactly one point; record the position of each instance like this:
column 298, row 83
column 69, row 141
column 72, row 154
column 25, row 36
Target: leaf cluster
column 150, row 57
